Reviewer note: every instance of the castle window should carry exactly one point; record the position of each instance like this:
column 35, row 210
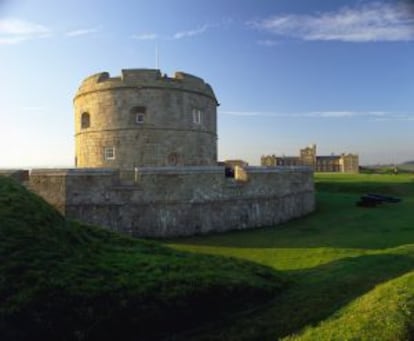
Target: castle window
column 85, row 120
column 109, row 153
column 196, row 116
column 139, row 118
column 138, row 114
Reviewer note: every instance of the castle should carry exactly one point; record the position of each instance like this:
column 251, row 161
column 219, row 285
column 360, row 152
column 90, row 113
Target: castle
column 344, row 163
column 146, row 163
column 145, row 119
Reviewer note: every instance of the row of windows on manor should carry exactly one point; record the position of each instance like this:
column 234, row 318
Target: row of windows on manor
column 139, row 114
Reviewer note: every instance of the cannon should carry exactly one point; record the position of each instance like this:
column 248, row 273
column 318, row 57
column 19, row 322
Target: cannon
column 372, row 200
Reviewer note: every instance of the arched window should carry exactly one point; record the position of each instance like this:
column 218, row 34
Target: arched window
column 85, row 120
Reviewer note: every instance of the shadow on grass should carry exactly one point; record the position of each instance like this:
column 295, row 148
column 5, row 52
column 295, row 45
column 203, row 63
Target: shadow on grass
column 315, row 296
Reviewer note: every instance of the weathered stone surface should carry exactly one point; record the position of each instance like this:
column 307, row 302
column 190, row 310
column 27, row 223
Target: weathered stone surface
column 170, row 133
column 20, row 175
column 178, row 201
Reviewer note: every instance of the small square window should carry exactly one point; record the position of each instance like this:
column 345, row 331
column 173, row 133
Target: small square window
column 138, row 115
column 139, row 118
column 196, row 116
column 109, row 153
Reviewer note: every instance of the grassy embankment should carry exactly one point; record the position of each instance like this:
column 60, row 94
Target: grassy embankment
column 61, row 280
column 351, row 267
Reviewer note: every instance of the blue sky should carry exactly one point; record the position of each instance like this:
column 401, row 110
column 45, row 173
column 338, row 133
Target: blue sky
column 287, row 73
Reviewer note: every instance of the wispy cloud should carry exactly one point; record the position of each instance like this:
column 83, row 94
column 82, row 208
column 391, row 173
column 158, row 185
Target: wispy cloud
column 83, row 31
column 145, row 36
column 375, row 21
column 175, row 36
column 374, row 115
column 190, row 33
column 14, row 31
column 268, row 42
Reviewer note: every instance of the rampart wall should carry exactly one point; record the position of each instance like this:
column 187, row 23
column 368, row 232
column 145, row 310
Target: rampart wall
column 178, row 201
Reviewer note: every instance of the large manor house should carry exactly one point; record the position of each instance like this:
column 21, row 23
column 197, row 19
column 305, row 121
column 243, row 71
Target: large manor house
column 344, row 163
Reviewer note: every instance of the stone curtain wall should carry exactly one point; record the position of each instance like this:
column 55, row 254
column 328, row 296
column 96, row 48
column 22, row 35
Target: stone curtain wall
column 20, row 175
column 178, row 201
column 59, row 187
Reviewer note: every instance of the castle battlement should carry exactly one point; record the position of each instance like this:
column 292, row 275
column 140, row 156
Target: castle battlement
column 145, row 78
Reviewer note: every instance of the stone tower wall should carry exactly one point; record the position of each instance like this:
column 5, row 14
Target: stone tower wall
column 171, row 132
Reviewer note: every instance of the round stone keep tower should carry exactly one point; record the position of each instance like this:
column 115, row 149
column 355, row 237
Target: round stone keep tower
column 145, row 119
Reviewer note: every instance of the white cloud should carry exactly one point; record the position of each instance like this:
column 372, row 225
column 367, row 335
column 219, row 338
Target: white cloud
column 333, row 114
column 82, row 31
column 176, row 36
column 268, row 42
column 369, row 22
column 20, row 27
column 13, row 31
column 190, row 33
column 374, row 115
column 11, row 40
column 145, row 36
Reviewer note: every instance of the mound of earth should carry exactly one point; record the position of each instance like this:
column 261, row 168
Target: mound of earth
column 63, row 280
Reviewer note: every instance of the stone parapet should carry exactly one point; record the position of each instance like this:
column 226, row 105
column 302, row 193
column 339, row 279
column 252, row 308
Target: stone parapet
column 20, row 175
column 145, row 78
column 73, row 172
column 177, row 201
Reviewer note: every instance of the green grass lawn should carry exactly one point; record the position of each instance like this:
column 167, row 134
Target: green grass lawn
column 341, row 273
column 60, row 280
column 351, row 267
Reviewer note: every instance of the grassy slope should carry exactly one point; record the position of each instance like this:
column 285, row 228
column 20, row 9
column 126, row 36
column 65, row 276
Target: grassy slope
column 385, row 313
column 334, row 257
column 62, row 280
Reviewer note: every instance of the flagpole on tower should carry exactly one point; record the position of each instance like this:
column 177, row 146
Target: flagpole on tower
column 157, row 57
